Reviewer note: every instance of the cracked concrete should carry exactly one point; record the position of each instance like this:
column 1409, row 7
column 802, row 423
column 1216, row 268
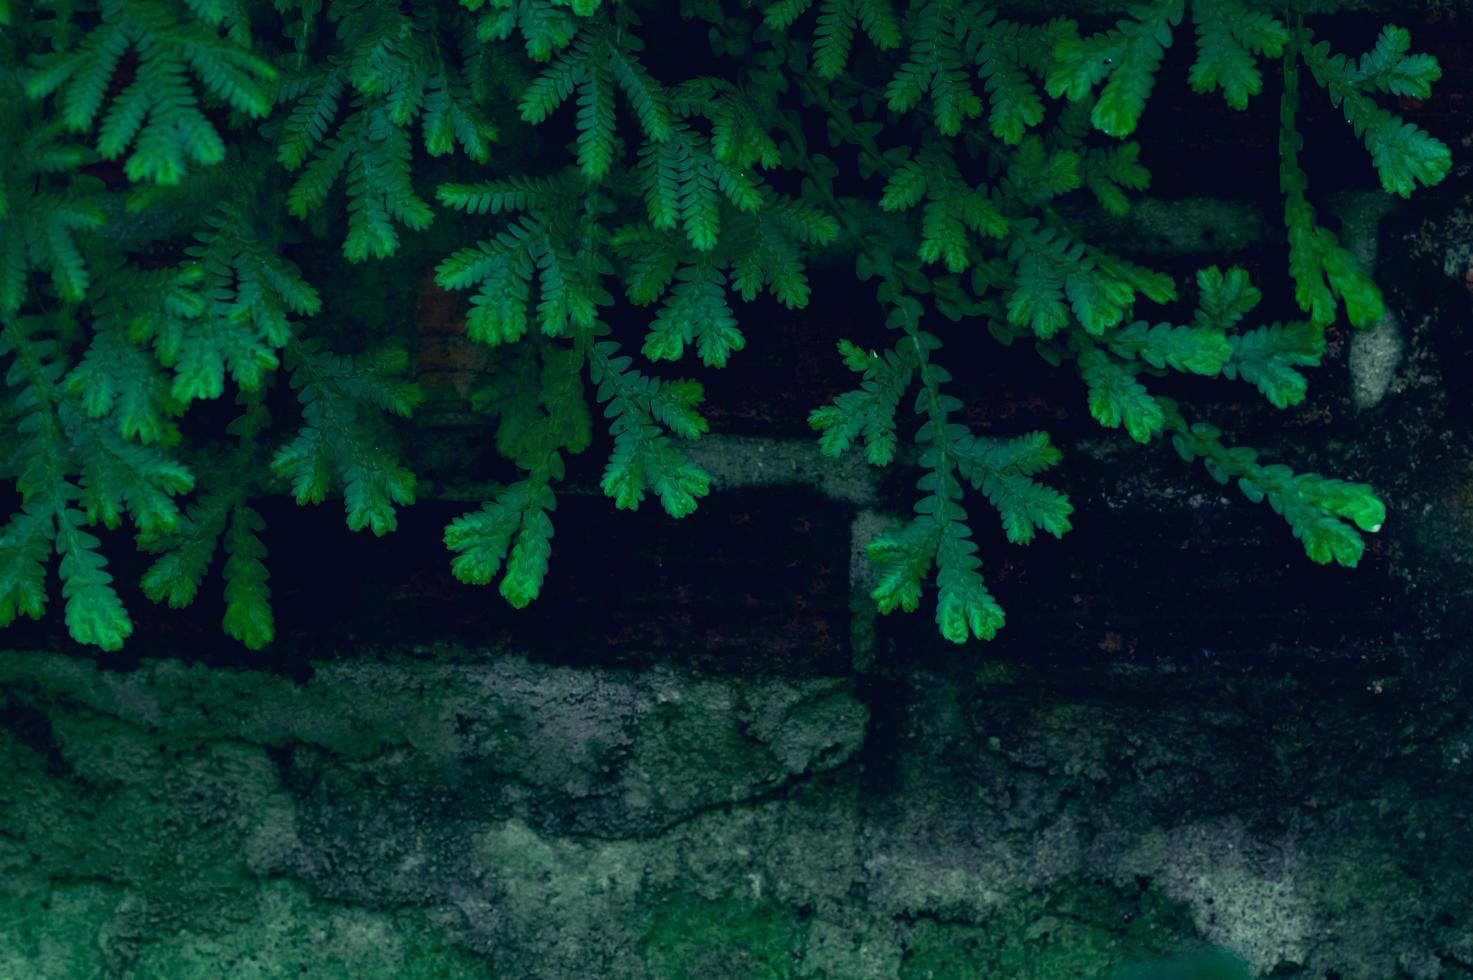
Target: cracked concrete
column 500, row 817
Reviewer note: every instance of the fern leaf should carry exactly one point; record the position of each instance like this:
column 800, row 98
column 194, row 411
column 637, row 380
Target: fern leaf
column 1267, row 357
column 1324, row 514
column 25, row 549
column 1049, row 269
column 452, row 116
column 695, row 310
column 1004, row 61
column 341, row 439
column 782, row 14
column 902, row 561
column 905, row 187
column 1002, row 470
column 646, row 97
column 1389, row 68
column 642, row 457
column 119, row 476
column 516, row 521
column 1230, row 37
column 878, row 21
column 1125, row 59
column 664, row 167
column 837, row 20
column 1225, row 297
column 964, row 607
column 939, row 64
column 1037, row 302
column 595, row 124
column 310, row 120
column 94, row 613
column 185, row 554
column 700, row 207
column 1099, row 301
column 870, row 409
column 248, row 616
column 1116, row 397
column 1194, row 349
column 158, row 114
column 1403, row 154
column 1110, row 172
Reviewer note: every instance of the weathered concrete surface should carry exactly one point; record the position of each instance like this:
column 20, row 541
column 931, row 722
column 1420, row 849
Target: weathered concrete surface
column 466, row 816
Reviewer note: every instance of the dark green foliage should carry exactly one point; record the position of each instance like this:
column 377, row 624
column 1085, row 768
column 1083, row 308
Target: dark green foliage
column 129, row 296
column 157, row 112
column 392, row 66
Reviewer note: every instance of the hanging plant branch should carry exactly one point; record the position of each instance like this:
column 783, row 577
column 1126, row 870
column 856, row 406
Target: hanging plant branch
column 177, row 174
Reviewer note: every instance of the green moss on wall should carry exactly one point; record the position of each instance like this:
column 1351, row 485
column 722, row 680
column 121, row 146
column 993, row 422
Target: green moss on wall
column 735, row 939
column 128, row 855
column 1076, row 932
column 518, row 820
column 73, row 931
column 288, row 932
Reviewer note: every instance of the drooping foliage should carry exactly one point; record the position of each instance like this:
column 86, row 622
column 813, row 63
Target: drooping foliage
column 173, row 167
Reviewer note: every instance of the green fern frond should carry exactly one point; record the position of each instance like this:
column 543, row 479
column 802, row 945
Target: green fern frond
column 1324, row 272
column 1037, row 174
column 1326, row 515
column 46, row 207
column 838, row 20
column 593, row 66
column 546, row 26
column 50, row 521
column 1389, row 68
column 1231, row 36
column 953, row 208
column 390, row 70
column 964, row 607
column 1007, row 54
column 341, row 441
column 1403, row 154
column 940, row 64
column 1050, row 269
column 643, row 457
column 248, row 616
column 870, row 409
column 516, row 521
column 25, row 550
column 226, row 311
column 158, row 113
column 1116, row 398
column 1267, row 357
column 1125, row 59
column 94, row 613
column 221, row 516
column 1003, row 469
column 119, row 476
column 1193, row 349
column 1109, row 172
column 556, row 243
column 185, row 553
column 1225, row 297
column 901, row 562
column 512, row 533
column 695, row 311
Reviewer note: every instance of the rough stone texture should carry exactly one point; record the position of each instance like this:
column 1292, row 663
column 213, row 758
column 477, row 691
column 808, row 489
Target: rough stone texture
column 458, row 816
